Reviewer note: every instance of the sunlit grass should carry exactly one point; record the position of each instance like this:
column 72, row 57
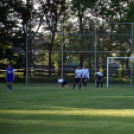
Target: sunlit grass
column 55, row 110
column 76, row 111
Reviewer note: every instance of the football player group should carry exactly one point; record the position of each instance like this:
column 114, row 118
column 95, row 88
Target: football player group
column 83, row 74
column 78, row 73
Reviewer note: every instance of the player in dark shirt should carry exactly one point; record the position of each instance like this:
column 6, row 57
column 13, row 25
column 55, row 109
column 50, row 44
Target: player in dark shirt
column 99, row 78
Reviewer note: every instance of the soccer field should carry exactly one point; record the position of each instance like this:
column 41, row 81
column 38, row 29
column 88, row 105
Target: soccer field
column 56, row 110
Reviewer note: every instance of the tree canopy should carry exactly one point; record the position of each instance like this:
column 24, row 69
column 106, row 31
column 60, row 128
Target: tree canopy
column 76, row 16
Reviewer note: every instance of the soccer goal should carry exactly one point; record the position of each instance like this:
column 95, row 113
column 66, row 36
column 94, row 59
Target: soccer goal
column 120, row 71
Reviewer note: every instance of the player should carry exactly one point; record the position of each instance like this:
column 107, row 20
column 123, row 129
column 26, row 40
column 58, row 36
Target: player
column 85, row 76
column 99, row 78
column 9, row 77
column 62, row 82
column 78, row 73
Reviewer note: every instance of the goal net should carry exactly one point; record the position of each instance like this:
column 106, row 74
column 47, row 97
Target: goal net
column 120, row 71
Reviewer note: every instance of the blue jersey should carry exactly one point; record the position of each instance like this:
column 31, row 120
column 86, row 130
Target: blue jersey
column 9, row 72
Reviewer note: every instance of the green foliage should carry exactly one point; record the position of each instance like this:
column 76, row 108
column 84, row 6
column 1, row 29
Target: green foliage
column 14, row 14
column 13, row 18
column 117, row 11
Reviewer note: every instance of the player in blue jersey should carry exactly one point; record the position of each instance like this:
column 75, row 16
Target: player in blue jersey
column 9, row 77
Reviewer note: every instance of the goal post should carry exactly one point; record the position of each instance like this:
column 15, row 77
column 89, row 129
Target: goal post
column 120, row 71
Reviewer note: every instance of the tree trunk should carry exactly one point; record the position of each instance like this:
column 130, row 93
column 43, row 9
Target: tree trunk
column 50, row 55
column 50, row 63
column 127, row 67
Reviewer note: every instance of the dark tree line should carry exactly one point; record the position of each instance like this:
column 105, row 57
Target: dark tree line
column 14, row 15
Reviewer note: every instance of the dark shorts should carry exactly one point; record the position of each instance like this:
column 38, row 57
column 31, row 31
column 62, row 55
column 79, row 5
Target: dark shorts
column 84, row 80
column 77, row 80
column 100, row 78
column 64, row 83
column 9, row 79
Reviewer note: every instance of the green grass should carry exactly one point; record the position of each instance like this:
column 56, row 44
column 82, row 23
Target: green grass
column 55, row 110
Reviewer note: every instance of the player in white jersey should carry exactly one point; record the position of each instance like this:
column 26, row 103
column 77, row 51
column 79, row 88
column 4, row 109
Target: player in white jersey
column 85, row 76
column 99, row 78
column 78, row 73
column 62, row 82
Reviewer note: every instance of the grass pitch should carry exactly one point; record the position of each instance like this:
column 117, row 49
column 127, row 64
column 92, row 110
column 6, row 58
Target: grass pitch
column 56, row 110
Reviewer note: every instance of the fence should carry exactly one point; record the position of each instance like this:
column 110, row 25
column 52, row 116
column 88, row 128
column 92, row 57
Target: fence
column 57, row 48
column 55, row 54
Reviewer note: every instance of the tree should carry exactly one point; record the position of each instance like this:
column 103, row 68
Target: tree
column 13, row 18
column 79, row 7
column 51, row 12
column 120, row 11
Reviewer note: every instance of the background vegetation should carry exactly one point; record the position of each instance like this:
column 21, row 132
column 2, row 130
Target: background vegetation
column 78, row 18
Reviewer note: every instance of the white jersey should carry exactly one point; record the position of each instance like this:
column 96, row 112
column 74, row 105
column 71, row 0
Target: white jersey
column 78, row 73
column 85, row 73
column 98, row 74
column 60, row 80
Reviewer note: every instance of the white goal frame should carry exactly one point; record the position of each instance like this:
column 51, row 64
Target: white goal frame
column 119, row 58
